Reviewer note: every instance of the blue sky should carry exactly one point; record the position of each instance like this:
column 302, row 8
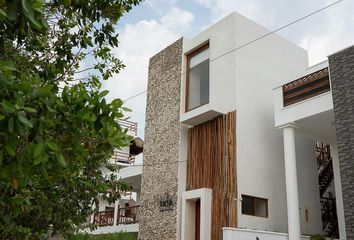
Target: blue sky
column 154, row 24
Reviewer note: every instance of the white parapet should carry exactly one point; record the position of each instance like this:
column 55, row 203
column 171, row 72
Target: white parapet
column 250, row 234
column 115, row 229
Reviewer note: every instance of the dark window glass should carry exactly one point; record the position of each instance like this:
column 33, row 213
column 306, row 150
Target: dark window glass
column 254, row 206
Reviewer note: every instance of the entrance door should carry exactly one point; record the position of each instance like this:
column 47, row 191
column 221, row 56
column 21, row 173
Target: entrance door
column 197, row 219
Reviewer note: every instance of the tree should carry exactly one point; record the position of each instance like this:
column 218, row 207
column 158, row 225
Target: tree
column 56, row 128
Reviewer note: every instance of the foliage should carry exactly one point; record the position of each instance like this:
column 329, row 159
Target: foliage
column 317, row 237
column 114, row 236
column 56, row 128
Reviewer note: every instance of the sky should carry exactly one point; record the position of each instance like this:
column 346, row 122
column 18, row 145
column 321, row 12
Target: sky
column 155, row 24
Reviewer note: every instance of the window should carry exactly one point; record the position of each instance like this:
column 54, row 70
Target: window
column 254, row 206
column 197, row 93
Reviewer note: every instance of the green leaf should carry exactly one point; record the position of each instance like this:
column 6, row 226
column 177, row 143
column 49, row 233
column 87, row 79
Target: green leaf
column 29, row 13
column 38, row 150
column 10, row 150
column 2, row 117
column 12, row 10
column 3, row 13
column 61, row 160
column 1, row 156
column 52, row 146
column 7, row 66
column 4, row 81
column 37, row 160
column 25, row 87
column 126, row 109
column 22, row 118
column 117, row 103
column 29, row 109
column 45, row 91
column 10, row 124
column 8, row 107
column 50, row 108
column 103, row 93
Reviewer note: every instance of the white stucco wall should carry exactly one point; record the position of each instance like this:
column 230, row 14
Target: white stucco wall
column 260, row 161
column 249, row 234
column 309, row 194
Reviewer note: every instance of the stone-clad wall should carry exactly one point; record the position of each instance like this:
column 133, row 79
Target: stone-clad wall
column 342, row 78
column 161, row 148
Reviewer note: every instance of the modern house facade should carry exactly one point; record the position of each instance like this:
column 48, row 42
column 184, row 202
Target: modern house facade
column 245, row 140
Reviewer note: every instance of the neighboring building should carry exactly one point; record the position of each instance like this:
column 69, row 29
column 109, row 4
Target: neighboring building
column 243, row 140
column 123, row 215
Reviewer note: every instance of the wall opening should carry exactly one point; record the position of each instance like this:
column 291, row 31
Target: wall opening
column 327, row 190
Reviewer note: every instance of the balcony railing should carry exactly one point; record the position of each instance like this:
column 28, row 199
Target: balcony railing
column 125, row 215
column 104, row 218
column 131, row 126
column 122, row 157
column 306, row 87
column 128, row 215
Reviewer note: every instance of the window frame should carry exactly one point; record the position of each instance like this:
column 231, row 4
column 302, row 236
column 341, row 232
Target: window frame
column 193, row 53
column 254, row 206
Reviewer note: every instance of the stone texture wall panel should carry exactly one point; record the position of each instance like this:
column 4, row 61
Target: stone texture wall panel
column 161, row 147
column 342, row 78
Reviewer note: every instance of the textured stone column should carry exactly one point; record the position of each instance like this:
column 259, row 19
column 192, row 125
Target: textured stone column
column 341, row 67
column 158, row 216
column 292, row 191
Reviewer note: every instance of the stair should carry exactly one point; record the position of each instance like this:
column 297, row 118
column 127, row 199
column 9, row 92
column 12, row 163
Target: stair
column 325, row 178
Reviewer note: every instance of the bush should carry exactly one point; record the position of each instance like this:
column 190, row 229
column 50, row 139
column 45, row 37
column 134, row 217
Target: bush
column 317, row 237
column 113, row 236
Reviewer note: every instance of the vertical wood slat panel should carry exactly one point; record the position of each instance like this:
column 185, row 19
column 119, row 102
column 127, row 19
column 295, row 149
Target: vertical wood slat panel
column 211, row 163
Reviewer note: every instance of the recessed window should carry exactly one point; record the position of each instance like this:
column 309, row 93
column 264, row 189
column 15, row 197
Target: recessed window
column 197, row 78
column 254, row 206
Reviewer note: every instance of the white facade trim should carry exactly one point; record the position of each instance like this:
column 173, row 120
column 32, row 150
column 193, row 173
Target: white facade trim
column 188, row 213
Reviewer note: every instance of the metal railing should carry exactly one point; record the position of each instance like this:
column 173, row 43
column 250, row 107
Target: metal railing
column 131, row 126
column 122, row 157
column 128, row 215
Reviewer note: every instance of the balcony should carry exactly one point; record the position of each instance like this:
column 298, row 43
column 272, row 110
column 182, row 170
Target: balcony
column 125, row 215
column 306, row 87
column 131, row 126
column 307, row 96
column 120, row 156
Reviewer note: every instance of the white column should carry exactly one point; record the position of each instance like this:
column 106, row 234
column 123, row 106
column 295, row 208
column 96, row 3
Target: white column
column 115, row 217
column 292, row 191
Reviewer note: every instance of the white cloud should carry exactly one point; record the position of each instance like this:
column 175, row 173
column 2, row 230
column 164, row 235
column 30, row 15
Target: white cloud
column 331, row 33
column 138, row 43
column 177, row 19
column 321, row 34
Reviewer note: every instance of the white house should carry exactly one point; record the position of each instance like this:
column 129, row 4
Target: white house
column 123, row 215
column 245, row 140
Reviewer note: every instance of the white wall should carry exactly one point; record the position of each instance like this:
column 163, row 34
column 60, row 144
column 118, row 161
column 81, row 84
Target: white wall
column 249, row 234
column 260, row 160
column 309, row 193
column 114, row 229
column 221, row 37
